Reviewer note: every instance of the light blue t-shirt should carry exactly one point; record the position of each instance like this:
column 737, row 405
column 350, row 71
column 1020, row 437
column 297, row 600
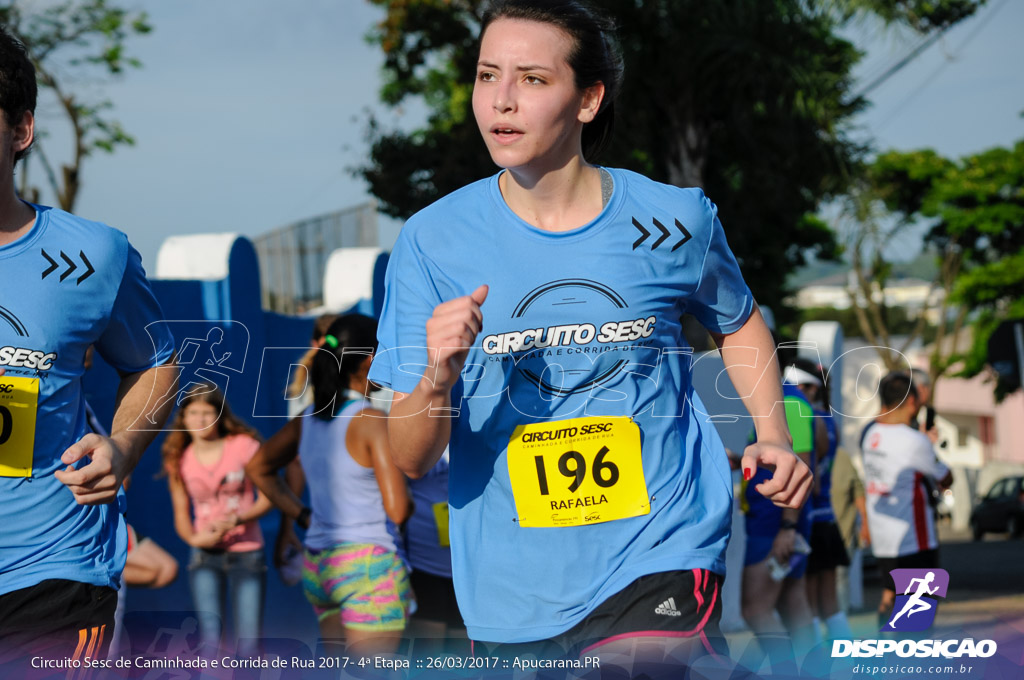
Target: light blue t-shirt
column 67, row 284
column 577, row 323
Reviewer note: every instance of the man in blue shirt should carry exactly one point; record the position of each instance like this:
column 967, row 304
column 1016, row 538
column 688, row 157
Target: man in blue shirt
column 66, row 284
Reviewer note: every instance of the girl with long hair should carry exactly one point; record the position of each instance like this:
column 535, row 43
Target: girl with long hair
column 352, row 575
column 216, row 509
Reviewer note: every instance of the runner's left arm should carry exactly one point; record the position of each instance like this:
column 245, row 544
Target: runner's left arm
column 862, row 511
column 287, row 540
column 749, row 357
column 724, row 305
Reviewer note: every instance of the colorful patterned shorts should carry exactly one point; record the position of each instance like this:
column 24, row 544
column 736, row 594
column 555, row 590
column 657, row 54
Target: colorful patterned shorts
column 365, row 582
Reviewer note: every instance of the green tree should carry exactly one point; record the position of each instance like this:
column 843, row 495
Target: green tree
column 976, row 209
column 923, row 16
column 74, row 43
column 872, row 227
column 749, row 99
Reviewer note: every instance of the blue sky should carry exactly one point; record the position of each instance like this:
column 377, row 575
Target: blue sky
column 247, row 115
column 965, row 94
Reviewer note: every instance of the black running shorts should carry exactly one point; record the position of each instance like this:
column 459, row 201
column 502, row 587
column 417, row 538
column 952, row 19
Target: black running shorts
column 674, row 604
column 57, row 619
column 435, row 599
column 827, row 548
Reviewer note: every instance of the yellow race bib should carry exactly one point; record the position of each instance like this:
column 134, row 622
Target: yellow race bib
column 19, row 400
column 577, row 471
column 441, row 519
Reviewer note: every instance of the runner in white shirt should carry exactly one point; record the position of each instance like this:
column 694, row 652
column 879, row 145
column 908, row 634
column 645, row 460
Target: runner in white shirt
column 897, row 460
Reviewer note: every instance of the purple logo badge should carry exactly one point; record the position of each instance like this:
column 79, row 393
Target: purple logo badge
column 916, row 593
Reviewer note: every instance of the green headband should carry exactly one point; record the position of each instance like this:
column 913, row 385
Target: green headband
column 331, row 341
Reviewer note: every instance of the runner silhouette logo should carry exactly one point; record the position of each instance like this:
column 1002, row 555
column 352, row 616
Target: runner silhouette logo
column 917, row 591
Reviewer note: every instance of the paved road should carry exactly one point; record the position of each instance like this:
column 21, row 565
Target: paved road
column 987, row 568
column 985, row 602
column 986, row 589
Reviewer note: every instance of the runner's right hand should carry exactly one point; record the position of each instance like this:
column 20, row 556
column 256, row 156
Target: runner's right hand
column 791, row 479
column 451, row 332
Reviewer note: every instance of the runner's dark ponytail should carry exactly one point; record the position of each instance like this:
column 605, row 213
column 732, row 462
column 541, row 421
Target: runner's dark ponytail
column 347, row 343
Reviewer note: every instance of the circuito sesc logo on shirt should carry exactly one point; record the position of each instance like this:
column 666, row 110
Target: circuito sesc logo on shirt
column 565, row 357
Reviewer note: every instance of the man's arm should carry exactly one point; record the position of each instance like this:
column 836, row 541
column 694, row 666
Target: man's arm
column 862, row 511
column 277, row 452
column 749, row 356
column 113, row 458
column 926, row 461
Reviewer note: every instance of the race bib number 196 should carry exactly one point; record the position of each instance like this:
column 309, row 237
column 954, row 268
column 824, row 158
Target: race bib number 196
column 19, row 398
column 578, row 471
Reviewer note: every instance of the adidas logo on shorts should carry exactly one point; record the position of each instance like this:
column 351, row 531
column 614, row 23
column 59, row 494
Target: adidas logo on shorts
column 668, row 608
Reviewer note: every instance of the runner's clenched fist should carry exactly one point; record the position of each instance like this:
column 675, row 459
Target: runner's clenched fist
column 451, row 332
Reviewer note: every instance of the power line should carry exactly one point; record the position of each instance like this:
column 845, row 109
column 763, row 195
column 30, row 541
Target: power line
column 882, row 65
column 895, row 68
column 916, row 51
column 941, row 67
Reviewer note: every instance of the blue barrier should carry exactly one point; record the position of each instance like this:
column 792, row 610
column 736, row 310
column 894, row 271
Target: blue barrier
column 222, row 335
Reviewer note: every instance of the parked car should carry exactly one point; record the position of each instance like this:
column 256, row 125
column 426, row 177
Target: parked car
column 1001, row 510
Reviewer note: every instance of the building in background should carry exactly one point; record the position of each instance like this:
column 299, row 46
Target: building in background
column 908, row 293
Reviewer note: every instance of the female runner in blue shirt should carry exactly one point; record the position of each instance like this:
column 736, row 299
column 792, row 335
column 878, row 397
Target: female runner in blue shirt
column 529, row 321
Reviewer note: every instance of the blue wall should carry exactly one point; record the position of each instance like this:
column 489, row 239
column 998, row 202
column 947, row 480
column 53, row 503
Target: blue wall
column 253, row 377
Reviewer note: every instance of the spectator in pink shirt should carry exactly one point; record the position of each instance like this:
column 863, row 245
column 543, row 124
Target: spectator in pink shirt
column 216, row 509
